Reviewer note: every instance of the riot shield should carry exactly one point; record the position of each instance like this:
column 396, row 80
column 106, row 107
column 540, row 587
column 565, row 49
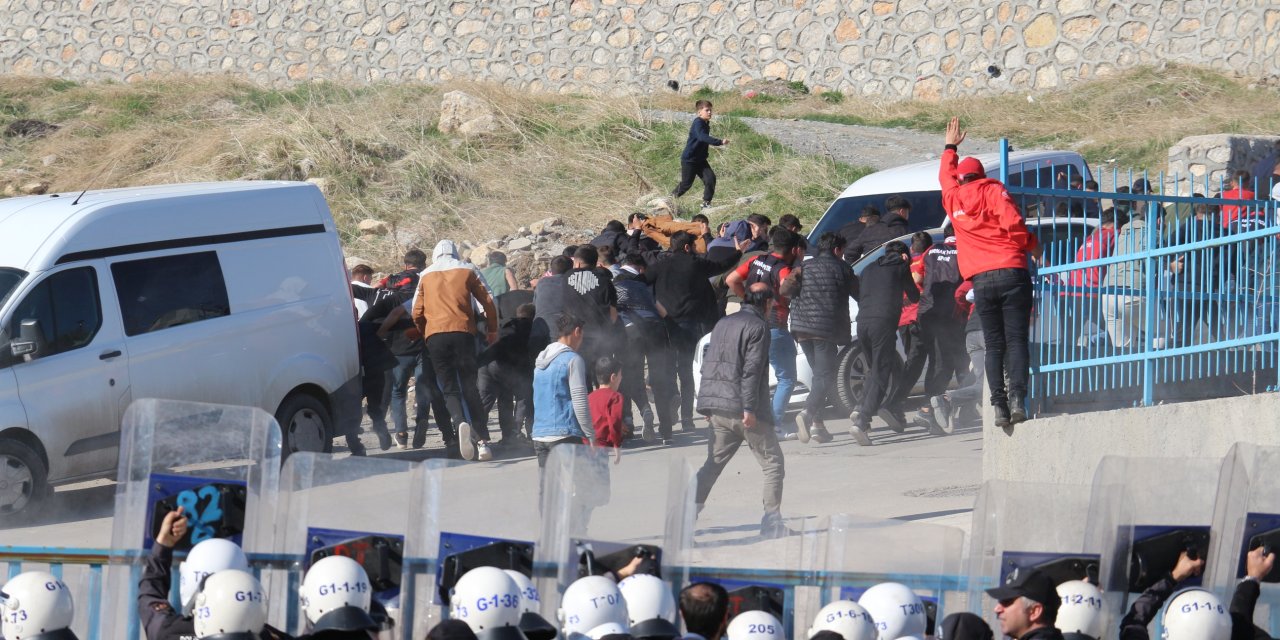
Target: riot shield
column 723, row 543
column 466, row 515
column 1247, row 516
column 601, row 515
column 350, row 506
column 1021, row 526
column 1165, row 508
column 220, row 463
column 858, row 553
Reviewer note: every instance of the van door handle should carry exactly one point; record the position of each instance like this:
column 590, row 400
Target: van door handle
column 107, row 355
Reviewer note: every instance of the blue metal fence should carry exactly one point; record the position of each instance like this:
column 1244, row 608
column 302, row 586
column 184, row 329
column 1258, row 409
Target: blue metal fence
column 1146, row 296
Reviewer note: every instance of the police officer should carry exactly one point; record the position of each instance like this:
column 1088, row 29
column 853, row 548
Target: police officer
column 36, row 606
column 336, row 597
column 159, row 620
column 230, row 606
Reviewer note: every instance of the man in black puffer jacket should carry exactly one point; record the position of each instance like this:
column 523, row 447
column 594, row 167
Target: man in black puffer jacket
column 880, row 290
column 819, row 290
column 879, row 230
column 734, row 395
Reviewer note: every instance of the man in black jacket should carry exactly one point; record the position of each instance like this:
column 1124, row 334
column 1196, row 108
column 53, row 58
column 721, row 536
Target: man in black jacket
column 879, row 292
column 941, row 326
column 693, row 160
column 506, row 377
column 1028, row 607
column 734, row 396
column 819, row 290
column 681, row 284
column 646, row 331
column 877, row 230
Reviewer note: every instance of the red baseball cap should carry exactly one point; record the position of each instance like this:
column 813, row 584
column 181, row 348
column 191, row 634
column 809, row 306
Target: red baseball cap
column 971, row 165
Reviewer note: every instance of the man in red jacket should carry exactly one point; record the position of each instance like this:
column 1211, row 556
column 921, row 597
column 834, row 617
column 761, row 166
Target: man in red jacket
column 992, row 242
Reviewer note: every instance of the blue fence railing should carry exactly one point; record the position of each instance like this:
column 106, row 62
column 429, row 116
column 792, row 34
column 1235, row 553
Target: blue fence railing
column 1144, row 295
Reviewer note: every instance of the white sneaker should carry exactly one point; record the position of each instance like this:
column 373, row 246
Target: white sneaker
column 784, row 435
column 466, row 446
column 483, row 454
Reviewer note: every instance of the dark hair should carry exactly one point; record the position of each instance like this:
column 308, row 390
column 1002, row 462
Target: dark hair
column 697, row 106
column 782, row 240
column 699, row 217
column 1075, row 179
column 826, row 634
column 896, row 247
column 415, row 258
column 567, row 323
column 830, row 241
column 607, row 366
column 1091, row 185
column 362, row 270
column 1062, row 208
column 790, row 222
column 1142, row 186
column 869, row 211
column 498, row 258
column 636, row 214
column 1240, row 177
column 569, row 251
column 682, row 241
column 894, row 203
column 757, row 295
column 606, row 255
column 635, row 259
column 1107, row 216
column 704, row 607
column 760, row 220
column 587, row 254
column 920, row 242
column 615, row 226
column 527, row 311
column 560, row 264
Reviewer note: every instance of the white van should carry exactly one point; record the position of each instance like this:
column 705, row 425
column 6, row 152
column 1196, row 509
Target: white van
column 230, row 293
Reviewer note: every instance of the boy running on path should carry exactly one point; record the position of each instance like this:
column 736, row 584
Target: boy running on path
column 693, row 162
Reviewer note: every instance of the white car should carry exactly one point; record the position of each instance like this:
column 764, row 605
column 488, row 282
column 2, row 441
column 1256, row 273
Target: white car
column 231, row 293
column 1029, row 168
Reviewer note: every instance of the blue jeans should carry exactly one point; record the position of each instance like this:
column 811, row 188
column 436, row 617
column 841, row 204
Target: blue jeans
column 409, row 366
column 782, row 357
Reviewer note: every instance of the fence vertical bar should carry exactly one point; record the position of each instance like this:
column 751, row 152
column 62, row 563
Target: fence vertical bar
column 1149, row 310
column 1004, row 161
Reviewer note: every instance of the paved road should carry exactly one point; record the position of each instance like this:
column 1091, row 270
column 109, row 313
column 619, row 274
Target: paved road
column 914, row 476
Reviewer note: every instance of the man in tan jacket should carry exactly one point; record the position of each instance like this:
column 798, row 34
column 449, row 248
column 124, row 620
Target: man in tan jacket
column 444, row 310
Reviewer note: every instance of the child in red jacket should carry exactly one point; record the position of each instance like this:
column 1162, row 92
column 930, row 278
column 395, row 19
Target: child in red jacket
column 606, row 405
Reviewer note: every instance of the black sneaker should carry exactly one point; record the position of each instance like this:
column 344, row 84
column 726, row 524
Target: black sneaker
column 666, row 442
column 686, row 425
column 819, row 434
column 1019, row 411
column 706, row 205
column 894, row 418
column 1002, row 416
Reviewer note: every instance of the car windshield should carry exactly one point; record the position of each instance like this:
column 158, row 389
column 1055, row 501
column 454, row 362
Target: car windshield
column 926, row 211
column 9, row 279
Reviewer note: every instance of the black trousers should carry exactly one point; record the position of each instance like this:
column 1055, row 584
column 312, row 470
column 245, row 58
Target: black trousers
column 684, row 341
column 879, row 338
column 698, row 169
column 919, row 345
column 1003, row 301
column 510, row 389
column 823, row 357
column 648, row 342
column 453, row 356
column 947, row 355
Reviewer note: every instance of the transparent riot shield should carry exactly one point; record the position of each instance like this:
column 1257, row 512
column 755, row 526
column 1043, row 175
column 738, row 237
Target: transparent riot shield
column 601, row 515
column 1021, row 526
column 858, row 553
column 350, row 506
column 466, row 515
column 723, row 543
column 1247, row 516
column 1165, row 507
column 220, row 463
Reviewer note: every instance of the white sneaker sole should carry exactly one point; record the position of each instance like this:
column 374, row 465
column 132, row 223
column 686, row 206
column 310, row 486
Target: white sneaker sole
column 466, row 446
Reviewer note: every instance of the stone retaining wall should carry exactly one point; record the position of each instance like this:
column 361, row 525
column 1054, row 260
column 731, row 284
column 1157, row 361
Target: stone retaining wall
column 1203, row 164
column 926, row 49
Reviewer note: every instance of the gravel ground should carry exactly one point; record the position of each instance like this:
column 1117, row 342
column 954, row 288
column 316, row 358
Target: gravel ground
column 875, row 147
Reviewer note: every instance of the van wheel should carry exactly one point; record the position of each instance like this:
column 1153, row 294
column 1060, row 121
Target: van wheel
column 23, row 479
column 850, row 376
column 305, row 425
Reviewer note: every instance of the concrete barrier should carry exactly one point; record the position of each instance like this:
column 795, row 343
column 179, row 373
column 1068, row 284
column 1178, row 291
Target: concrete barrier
column 1066, row 449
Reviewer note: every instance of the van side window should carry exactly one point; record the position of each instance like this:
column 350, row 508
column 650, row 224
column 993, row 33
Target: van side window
column 158, row 293
column 65, row 306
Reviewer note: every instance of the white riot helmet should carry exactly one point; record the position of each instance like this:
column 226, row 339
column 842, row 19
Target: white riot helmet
column 205, row 559
column 1196, row 614
column 230, row 606
column 336, row 595
column 846, row 618
column 651, row 608
column 608, row 629
column 590, row 602
column 36, row 606
column 529, row 599
column 534, row 626
column 755, row 625
column 1081, row 609
column 488, row 600
column 896, row 610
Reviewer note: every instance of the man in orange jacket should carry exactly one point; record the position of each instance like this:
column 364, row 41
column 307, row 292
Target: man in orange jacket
column 992, row 244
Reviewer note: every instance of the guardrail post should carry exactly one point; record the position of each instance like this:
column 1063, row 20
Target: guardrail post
column 1150, row 278
column 1004, row 161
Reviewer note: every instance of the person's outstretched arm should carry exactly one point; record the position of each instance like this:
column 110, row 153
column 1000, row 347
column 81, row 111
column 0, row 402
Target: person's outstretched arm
column 1257, row 565
column 1145, row 608
column 154, row 611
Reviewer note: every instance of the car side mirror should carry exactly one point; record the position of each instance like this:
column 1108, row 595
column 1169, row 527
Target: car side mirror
column 30, row 339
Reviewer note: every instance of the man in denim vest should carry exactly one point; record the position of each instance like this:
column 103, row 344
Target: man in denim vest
column 560, row 411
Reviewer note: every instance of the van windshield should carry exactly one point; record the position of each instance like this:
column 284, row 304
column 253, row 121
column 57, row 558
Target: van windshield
column 926, row 211
column 9, row 279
